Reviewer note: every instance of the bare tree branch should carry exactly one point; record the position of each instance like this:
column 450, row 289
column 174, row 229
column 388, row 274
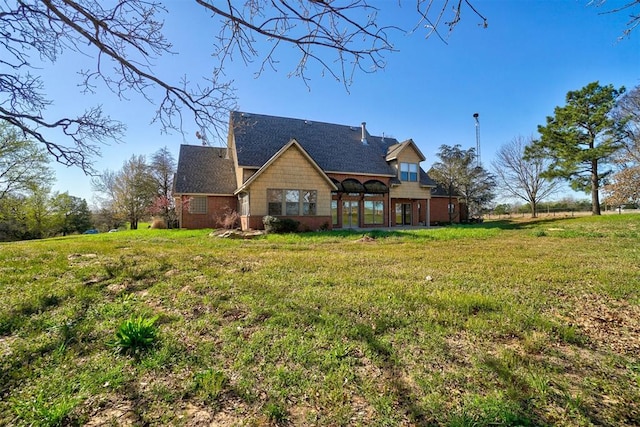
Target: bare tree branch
column 522, row 177
column 632, row 6
column 124, row 38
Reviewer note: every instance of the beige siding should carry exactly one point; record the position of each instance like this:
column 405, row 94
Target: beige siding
column 293, row 171
column 409, row 155
column 409, row 190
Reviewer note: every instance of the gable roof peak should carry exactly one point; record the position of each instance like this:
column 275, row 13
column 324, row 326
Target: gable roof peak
column 394, row 150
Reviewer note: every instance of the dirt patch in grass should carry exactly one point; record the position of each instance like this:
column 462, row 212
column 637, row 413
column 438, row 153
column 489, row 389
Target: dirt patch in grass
column 5, row 345
column 230, row 415
column 120, row 413
column 606, row 322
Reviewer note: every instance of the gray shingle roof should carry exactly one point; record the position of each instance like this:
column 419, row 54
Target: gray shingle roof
column 335, row 148
column 204, row 170
column 425, row 179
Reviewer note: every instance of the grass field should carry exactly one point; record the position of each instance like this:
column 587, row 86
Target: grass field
column 515, row 322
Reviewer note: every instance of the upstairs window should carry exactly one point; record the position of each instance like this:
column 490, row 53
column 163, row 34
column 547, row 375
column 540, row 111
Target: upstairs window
column 409, row 172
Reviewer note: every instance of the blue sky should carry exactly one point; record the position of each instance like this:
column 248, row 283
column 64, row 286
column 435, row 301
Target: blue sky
column 513, row 73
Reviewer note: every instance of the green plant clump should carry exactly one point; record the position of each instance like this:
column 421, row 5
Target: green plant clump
column 274, row 224
column 136, row 335
column 210, row 383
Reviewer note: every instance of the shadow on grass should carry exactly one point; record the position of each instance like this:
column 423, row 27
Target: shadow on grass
column 425, row 232
column 520, row 393
column 515, row 401
column 511, row 224
column 14, row 319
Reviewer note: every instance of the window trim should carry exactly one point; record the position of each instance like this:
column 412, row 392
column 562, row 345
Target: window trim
column 305, row 206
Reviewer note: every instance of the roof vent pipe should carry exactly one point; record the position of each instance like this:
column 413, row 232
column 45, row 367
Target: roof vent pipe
column 364, row 133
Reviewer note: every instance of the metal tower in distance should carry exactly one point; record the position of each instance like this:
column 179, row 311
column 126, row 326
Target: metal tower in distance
column 475, row 116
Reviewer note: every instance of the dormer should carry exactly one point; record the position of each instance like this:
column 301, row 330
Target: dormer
column 405, row 159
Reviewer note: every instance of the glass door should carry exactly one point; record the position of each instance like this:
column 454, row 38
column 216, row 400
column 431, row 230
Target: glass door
column 403, row 213
column 350, row 214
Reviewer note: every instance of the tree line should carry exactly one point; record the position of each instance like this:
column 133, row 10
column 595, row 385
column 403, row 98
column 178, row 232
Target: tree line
column 592, row 142
column 138, row 190
column 30, row 210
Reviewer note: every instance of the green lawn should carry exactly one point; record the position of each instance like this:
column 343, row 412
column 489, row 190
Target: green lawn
column 505, row 323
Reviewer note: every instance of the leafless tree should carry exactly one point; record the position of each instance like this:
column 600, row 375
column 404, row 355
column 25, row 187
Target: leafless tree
column 126, row 37
column 128, row 192
column 624, row 185
column 163, row 168
column 628, row 111
column 521, row 177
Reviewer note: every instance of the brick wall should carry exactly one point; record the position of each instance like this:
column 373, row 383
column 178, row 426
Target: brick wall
column 217, row 206
column 440, row 210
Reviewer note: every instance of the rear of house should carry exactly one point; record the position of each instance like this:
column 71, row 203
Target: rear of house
column 322, row 175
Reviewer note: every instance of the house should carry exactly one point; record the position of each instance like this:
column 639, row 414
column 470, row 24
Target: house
column 320, row 174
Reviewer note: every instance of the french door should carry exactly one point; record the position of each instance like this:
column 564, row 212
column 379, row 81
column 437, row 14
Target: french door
column 350, row 214
column 403, row 213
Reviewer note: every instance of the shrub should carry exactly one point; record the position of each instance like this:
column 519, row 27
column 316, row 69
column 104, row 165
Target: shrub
column 274, row 224
column 270, row 222
column 229, row 220
column 136, row 335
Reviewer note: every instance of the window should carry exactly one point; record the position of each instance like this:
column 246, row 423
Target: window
column 198, row 205
column 309, row 202
column 373, row 210
column 334, row 212
column 292, row 202
column 409, row 172
column 274, row 199
column 244, row 204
